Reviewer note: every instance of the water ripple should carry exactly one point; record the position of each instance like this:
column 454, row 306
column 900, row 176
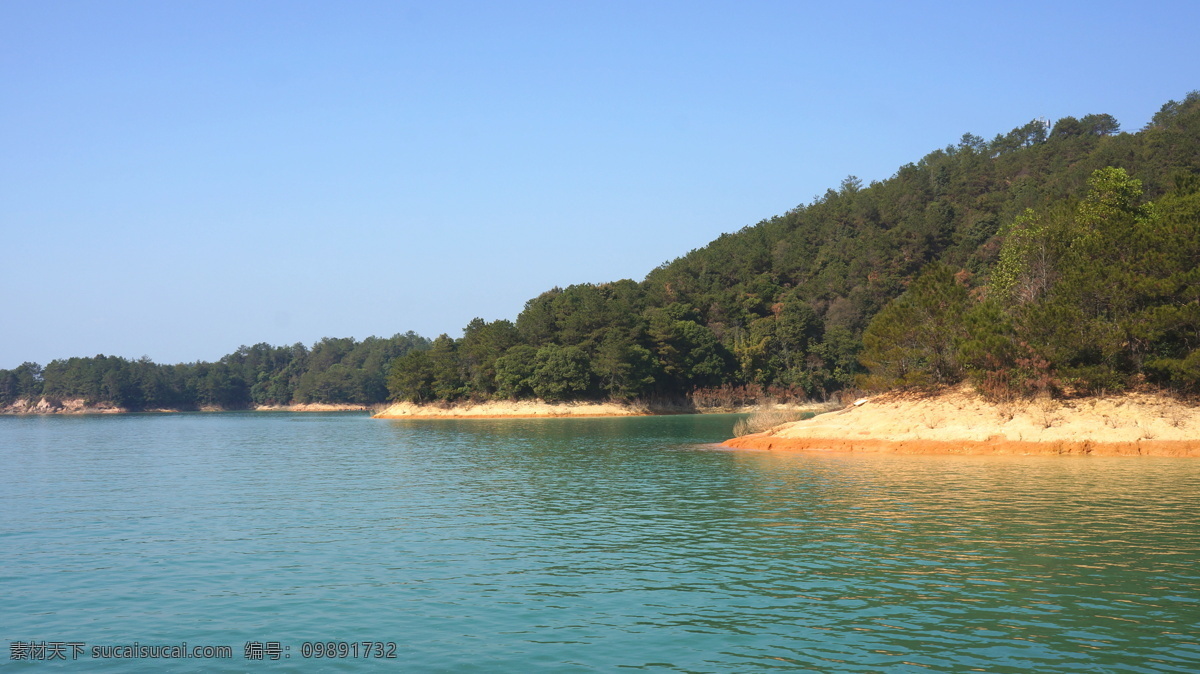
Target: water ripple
column 590, row 545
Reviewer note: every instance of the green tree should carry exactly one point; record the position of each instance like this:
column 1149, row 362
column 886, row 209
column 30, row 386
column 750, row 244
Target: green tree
column 560, row 373
column 624, row 369
column 689, row 354
column 913, row 340
column 447, row 382
column 514, row 372
column 410, row 378
column 1169, row 322
column 1030, row 259
column 23, row 382
column 1096, row 345
column 536, row 323
column 482, row 344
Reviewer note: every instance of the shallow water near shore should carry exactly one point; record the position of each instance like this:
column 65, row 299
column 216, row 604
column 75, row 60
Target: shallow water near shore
column 584, row 545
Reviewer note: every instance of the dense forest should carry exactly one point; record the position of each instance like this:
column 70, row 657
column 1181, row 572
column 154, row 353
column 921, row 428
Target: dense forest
column 332, row 371
column 1055, row 259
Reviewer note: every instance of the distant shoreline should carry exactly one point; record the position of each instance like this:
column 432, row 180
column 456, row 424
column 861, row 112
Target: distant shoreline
column 497, row 409
column 45, row 407
column 961, row 422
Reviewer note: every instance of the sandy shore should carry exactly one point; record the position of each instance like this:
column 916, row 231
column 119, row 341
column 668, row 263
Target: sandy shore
column 536, row 409
column 519, row 409
column 313, row 407
column 960, row 422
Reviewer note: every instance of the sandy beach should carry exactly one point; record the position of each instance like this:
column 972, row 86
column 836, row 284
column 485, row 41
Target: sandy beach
column 517, row 409
column 960, row 422
column 537, row 409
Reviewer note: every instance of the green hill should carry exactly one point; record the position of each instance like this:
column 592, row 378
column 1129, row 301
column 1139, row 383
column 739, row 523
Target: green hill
column 790, row 302
column 1061, row 258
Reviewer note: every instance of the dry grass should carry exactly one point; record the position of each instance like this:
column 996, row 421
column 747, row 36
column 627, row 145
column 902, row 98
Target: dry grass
column 932, row 420
column 1045, row 412
column 1148, row 433
column 1176, row 417
column 1048, row 419
column 766, row 420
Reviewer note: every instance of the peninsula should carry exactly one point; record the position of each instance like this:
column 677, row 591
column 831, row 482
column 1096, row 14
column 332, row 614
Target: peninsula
column 959, row 421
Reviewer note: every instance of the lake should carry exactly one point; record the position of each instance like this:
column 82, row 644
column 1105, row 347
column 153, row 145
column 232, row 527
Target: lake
column 578, row 545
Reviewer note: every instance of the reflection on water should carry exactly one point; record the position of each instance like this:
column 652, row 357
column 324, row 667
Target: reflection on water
column 591, row 544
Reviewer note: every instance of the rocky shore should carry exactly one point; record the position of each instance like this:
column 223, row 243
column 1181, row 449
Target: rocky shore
column 80, row 406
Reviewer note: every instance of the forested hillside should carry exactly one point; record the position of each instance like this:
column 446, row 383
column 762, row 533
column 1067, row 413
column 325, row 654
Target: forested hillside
column 785, row 303
column 1060, row 258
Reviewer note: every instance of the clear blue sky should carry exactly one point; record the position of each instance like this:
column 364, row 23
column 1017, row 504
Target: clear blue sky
column 181, row 178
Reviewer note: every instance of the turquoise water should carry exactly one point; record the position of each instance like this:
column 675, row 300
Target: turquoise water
column 583, row 545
